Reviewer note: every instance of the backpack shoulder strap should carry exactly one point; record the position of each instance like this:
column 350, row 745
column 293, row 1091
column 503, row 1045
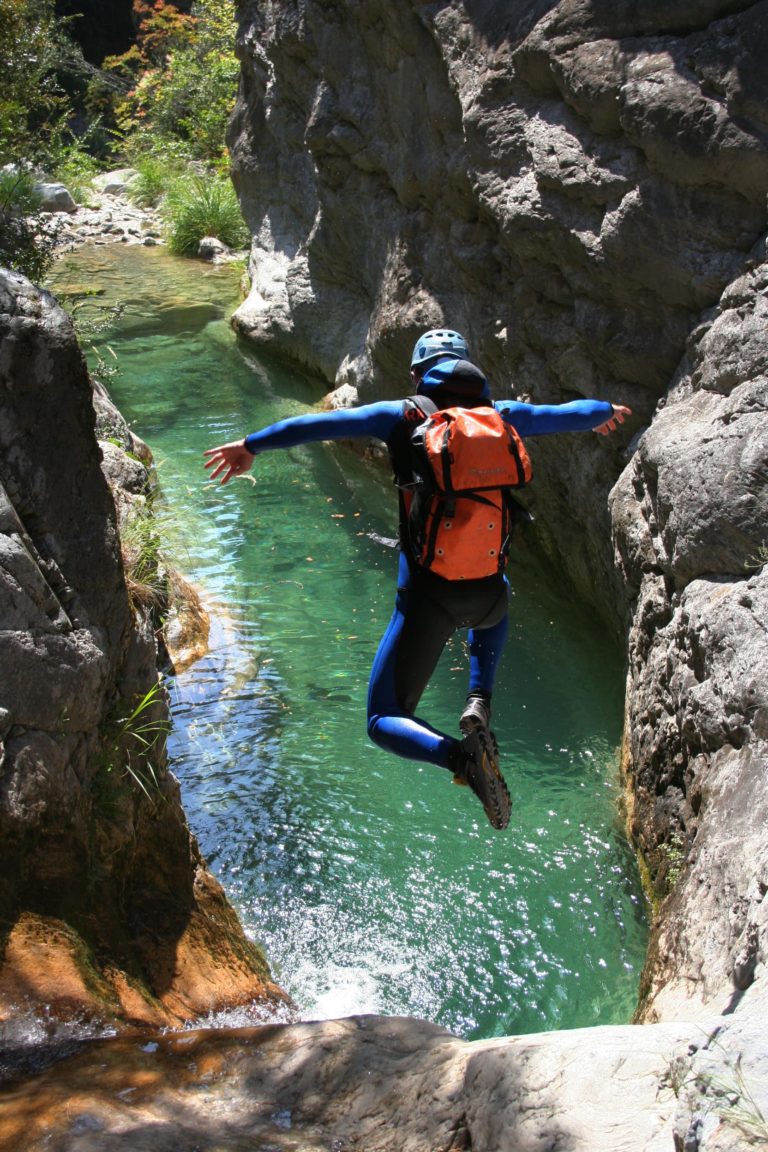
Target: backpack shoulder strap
column 415, row 409
column 422, row 405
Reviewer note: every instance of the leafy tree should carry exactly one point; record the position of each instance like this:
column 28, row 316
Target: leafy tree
column 162, row 28
column 185, row 79
column 34, row 109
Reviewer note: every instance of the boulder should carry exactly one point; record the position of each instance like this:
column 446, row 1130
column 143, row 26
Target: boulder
column 114, row 183
column 55, row 198
column 212, row 249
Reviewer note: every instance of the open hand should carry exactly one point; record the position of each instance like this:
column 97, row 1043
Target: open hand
column 231, row 459
column 620, row 414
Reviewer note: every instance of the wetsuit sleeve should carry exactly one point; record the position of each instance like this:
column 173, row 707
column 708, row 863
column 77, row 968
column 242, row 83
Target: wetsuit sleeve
column 371, row 420
column 543, row 419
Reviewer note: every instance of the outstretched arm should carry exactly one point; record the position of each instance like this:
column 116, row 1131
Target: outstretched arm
column 574, row 416
column 372, row 420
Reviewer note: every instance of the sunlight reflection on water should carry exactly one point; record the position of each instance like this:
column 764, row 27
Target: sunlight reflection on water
column 374, row 884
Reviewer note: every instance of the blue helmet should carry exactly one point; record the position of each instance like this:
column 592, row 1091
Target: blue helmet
column 438, row 344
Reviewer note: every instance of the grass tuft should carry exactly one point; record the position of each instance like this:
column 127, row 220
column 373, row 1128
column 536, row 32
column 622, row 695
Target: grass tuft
column 203, row 206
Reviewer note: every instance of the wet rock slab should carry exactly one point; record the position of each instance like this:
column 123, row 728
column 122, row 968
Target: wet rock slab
column 382, row 1084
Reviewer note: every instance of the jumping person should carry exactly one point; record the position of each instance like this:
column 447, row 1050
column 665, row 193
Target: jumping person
column 428, row 607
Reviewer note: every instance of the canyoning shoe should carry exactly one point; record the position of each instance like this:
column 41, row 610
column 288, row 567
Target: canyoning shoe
column 476, row 714
column 478, row 766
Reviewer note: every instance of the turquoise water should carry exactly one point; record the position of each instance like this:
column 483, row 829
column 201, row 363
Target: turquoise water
column 374, row 884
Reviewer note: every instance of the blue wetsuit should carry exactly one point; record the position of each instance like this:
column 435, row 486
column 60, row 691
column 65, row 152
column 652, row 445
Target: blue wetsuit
column 428, row 610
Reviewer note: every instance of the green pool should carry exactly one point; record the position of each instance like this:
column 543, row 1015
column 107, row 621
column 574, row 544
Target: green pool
column 374, row 884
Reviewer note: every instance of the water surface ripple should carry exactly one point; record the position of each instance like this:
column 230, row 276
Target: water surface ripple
column 374, row 884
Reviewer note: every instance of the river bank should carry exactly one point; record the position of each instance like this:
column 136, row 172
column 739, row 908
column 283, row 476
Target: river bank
column 108, row 214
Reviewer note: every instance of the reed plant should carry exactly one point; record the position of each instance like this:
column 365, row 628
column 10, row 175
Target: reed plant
column 202, row 205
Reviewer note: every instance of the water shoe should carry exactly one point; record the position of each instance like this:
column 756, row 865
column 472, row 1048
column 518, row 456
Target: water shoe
column 477, row 764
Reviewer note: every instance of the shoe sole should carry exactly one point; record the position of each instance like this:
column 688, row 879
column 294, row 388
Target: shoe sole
column 489, row 785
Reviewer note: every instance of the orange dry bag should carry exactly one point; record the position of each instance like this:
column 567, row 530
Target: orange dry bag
column 458, row 505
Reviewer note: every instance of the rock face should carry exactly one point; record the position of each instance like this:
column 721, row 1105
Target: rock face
column 570, row 184
column 106, row 907
column 690, row 517
column 580, row 187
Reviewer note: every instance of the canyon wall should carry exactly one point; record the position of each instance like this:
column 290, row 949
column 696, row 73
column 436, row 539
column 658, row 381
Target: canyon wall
column 571, row 185
column 107, row 911
column 580, row 187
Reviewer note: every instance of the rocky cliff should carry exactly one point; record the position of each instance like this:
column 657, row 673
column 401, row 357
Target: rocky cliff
column 581, row 188
column 571, row 184
column 106, row 908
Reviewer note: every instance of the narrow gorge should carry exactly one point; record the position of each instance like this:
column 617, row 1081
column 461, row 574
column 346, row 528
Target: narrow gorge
column 579, row 186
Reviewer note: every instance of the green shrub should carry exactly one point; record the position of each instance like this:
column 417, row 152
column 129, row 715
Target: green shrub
column 33, row 105
column 203, row 206
column 156, row 172
column 17, row 192
column 75, row 167
column 27, row 242
column 183, row 78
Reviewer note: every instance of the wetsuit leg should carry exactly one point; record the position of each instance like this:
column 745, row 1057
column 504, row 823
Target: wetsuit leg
column 404, row 663
column 428, row 611
column 486, row 645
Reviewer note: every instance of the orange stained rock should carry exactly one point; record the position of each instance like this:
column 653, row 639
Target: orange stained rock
column 212, row 967
column 117, row 1084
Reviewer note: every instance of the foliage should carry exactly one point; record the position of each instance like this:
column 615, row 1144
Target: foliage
column 141, row 736
column 34, row 109
column 719, row 1088
column 27, row 241
column 156, row 171
column 184, row 78
column 203, row 206
column 162, row 28
column 758, row 559
column 142, row 561
column 164, row 105
column 17, row 191
column 674, row 850
column 92, row 320
column 75, row 166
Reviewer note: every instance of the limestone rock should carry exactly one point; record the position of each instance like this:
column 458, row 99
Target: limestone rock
column 210, row 248
column 689, row 518
column 397, row 1085
column 114, row 183
column 579, row 185
column 55, row 198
